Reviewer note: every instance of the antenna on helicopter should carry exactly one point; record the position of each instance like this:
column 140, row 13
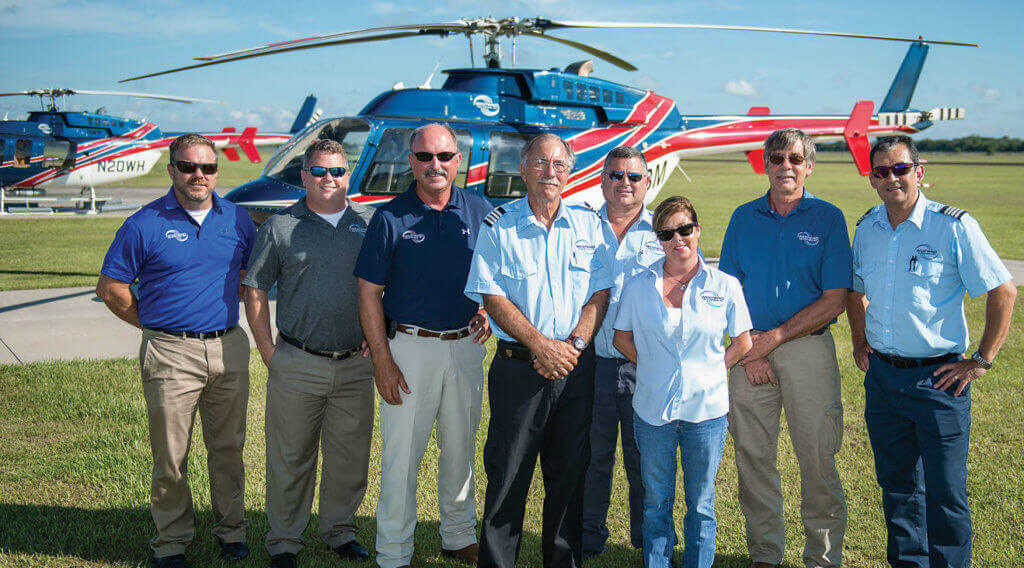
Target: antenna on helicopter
column 54, row 94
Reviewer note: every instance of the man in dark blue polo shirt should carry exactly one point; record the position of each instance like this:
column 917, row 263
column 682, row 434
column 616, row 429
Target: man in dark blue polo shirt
column 426, row 339
column 791, row 252
column 187, row 250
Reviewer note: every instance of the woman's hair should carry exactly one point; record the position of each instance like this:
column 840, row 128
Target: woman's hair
column 670, row 207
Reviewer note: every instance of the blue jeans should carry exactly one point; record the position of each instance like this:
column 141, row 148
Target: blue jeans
column 700, row 445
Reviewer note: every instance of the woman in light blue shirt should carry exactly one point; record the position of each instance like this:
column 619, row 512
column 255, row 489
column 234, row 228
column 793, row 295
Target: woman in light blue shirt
column 671, row 322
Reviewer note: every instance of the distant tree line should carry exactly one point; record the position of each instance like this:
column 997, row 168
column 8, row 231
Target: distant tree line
column 984, row 144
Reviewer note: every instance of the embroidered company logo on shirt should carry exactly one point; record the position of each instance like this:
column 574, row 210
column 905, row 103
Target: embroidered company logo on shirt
column 712, row 299
column 584, row 246
column 357, row 228
column 807, row 238
column 926, row 251
column 176, row 235
column 413, row 236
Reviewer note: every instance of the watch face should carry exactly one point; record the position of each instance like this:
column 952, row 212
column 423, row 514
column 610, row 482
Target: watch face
column 579, row 343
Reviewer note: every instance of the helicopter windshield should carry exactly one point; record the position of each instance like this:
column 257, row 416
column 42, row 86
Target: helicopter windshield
column 389, row 172
column 351, row 133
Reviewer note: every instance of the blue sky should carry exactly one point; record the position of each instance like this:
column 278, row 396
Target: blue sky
column 90, row 44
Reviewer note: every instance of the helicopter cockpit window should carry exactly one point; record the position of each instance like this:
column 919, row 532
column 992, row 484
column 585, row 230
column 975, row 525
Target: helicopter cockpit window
column 595, row 93
column 351, row 133
column 606, row 96
column 389, row 172
column 567, row 85
column 503, row 179
column 22, row 153
column 620, row 97
column 581, row 92
column 57, row 154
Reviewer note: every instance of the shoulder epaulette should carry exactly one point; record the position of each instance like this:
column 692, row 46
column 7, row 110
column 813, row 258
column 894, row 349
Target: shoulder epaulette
column 954, row 212
column 493, row 216
column 865, row 215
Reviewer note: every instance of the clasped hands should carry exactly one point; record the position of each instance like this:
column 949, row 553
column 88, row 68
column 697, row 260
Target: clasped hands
column 555, row 359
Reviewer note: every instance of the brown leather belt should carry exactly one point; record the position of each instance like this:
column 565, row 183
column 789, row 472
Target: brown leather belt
column 442, row 335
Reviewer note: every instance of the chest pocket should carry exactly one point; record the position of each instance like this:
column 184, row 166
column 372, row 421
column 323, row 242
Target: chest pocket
column 930, row 270
column 517, row 274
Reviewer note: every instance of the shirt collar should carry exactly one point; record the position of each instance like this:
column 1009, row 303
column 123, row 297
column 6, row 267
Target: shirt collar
column 527, row 218
column 301, row 209
column 171, row 201
column 454, row 202
column 643, row 223
column 916, row 216
column 765, row 206
column 659, row 265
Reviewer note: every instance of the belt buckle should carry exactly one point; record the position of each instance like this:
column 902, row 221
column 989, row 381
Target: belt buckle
column 448, row 335
column 508, row 352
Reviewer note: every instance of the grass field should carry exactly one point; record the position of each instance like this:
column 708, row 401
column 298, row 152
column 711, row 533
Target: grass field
column 51, row 252
column 74, row 475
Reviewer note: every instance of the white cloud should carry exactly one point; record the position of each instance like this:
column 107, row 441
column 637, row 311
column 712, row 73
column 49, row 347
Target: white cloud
column 740, row 87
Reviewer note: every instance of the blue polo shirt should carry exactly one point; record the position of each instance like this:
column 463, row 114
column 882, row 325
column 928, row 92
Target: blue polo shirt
column 188, row 274
column 421, row 256
column 784, row 263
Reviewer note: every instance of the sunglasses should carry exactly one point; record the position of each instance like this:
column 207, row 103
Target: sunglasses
column 187, row 167
column 321, row 171
column 795, row 159
column 901, row 169
column 428, row 157
column 683, row 231
column 617, row 175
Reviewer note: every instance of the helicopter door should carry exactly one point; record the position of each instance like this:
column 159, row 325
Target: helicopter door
column 503, row 179
column 389, row 172
column 22, row 153
column 58, row 154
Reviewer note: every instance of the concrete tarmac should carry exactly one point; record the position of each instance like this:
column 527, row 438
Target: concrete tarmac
column 72, row 323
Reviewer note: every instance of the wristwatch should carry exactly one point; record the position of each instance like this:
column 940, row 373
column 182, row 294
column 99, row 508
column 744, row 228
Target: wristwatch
column 981, row 360
column 577, row 342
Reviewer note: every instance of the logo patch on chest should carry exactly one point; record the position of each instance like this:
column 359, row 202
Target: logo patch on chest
column 176, row 235
column 808, row 239
column 584, row 246
column 413, row 236
column 358, row 229
column 926, row 251
column 712, row 299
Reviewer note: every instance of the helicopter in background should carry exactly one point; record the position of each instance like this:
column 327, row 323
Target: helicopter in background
column 495, row 110
column 56, row 148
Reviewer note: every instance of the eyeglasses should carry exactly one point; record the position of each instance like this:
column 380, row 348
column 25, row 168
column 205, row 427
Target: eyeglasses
column 542, row 164
column 682, row 230
column 428, row 157
column 321, row 171
column 901, row 169
column 187, row 167
column 795, row 159
column 617, row 175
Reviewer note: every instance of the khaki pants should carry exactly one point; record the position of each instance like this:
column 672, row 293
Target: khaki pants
column 311, row 401
column 446, row 380
column 809, row 391
column 180, row 376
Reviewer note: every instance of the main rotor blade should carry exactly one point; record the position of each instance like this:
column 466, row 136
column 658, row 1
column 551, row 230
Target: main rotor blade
column 554, row 25
column 282, row 50
column 457, row 26
column 618, row 62
column 173, row 98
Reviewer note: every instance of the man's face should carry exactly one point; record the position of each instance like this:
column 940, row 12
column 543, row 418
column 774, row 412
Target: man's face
column 434, row 175
column 897, row 191
column 539, row 171
column 788, row 178
column 193, row 188
column 326, row 193
column 623, row 194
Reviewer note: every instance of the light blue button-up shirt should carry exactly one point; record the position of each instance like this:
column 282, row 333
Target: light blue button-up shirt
column 547, row 274
column 638, row 250
column 680, row 372
column 915, row 276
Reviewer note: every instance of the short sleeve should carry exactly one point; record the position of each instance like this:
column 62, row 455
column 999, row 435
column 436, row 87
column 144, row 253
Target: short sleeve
column 126, row 254
column 737, row 315
column 247, row 230
column 624, row 317
column 856, row 280
column 485, row 267
column 980, row 267
column 602, row 277
column 837, row 263
column 264, row 262
column 728, row 261
column 374, row 261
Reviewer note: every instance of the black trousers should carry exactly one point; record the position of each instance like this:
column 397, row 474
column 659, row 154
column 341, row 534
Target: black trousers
column 531, row 415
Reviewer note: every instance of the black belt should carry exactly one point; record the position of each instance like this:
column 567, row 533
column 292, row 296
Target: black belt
column 336, row 355
column 513, row 350
column 909, row 363
column 194, row 334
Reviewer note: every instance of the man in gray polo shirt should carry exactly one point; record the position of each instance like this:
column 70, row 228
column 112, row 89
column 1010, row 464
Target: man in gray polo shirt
column 320, row 388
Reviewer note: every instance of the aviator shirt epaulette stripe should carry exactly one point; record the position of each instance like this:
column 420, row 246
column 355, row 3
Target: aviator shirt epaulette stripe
column 493, row 216
column 865, row 215
column 954, row 212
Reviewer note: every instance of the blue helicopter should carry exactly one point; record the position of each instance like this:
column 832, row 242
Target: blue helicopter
column 494, row 110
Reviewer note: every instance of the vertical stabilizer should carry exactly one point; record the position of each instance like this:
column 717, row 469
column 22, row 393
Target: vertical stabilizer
column 305, row 116
column 902, row 88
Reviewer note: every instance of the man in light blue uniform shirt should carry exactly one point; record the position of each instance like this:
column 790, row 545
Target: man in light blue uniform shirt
column 913, row 261
column 632, row 246
column 541, row 269
column 791, row 252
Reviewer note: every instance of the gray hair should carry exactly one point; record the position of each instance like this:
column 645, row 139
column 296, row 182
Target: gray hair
column 627, row 153
column 784, row 138
column 891, row 142
column 528, row 147
column 323, row 146
column 416, row 133
column 186, row 141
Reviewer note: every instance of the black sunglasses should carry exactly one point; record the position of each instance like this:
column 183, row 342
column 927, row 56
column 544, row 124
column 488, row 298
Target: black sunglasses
column 795, row 159
column 683, row 231
column 901, row 169
column 428, row 157
column 617, row 175
column 321, row 171
column 187, row 167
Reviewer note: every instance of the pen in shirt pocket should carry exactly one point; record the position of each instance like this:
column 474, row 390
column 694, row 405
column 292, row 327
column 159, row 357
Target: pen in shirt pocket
column 913, row 263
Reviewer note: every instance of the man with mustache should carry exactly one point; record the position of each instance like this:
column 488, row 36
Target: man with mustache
column 542, row 270
column 913, row 260
column 426, row 339
column 320, row 386
column 188, row 250
column 791, row 252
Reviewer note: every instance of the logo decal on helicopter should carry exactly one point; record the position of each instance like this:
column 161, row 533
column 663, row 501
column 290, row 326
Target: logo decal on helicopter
column 486, row 105
column 45, row 128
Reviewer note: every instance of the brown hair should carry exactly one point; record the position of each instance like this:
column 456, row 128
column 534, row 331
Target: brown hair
column 670, row 207
column 186, row 141
column 323, row 146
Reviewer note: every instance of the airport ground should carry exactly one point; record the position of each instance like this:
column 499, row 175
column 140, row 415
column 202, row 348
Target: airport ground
column 74, row 452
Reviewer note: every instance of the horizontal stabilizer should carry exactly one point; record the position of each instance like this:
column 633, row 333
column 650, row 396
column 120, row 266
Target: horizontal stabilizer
column 230, row 153
column 246, row 143
column 913, row 117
